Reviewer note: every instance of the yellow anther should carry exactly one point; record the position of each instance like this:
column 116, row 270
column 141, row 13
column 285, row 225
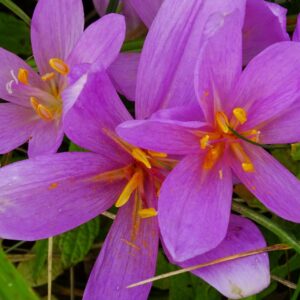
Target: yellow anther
column 141, row 156
column 240, row 114
column 242, row 157
column 157, row 154
column 48, row 76
column 23, row 76
column 248, row 167
column 44, row 113
column 130, row 187
column 59, row 66
column 147, row 213
column 212, row 156
column 222, row 121
column 204, row 141
column 34, row 103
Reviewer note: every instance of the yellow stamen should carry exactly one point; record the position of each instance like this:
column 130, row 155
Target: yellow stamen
column 240, row 114
column 141, row 156
column 34, row 103
column 248, row 167
column 48, row 76
column 59, row 66
column 212, row 156
column 44, row 113
column 222, row 121
column 130, row 187
column 241, row 155
column 23, row 76
column 157, row 154
column 147, row 213
column 204, row 141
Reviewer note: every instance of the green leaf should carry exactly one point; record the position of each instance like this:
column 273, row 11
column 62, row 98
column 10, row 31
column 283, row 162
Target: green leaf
column 12, row 285
column 112, row 6
column 162, row 267
column 75, row 244
column 35, row 271
column 74, row 148
column 295, row 151
column 15, row 35
column 16, row 10
column 40, row 250
column 135, row 45
column 269, row 224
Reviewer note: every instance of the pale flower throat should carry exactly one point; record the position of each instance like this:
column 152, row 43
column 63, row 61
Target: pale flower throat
column 47, row 104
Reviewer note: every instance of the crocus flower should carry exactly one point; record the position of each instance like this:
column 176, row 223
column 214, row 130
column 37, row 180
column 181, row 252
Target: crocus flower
column 260, row 105
column 67, row 189
column 60, row 48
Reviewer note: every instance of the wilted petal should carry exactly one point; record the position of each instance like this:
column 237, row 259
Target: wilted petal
column 172, row 137
column 48, row 195
column 16, row 126
column 263, row 27
column 194, row 208
column 166, row 71
column 46, row 137
column 101, row 41
column 125, row 258
column 56, row 27
column 269, row 84
column 271, row 183
column 123, row 72
column 241, row 277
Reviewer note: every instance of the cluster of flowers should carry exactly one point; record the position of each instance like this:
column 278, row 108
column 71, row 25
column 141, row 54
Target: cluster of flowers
column 200, row 118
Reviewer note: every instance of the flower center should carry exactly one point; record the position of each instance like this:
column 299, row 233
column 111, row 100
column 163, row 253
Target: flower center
column 223, row 138
column 47, row 103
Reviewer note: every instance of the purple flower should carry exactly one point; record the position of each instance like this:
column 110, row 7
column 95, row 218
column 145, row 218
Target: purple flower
column 68, row 189
column 60, row 48
column 261, row 104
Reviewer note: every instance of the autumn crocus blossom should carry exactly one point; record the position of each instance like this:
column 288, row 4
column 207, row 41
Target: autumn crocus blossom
column 259, row 104
column 68, row 189
column 60, row 48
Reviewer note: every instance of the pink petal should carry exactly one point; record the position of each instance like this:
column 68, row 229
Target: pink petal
column 56, row 27
column 124, row 260
column 166, row 71
column 241, row 277
column 296, row 35
column 48, row 195
column 220, row 62
column 10, row 88
column 171, row 137
column 16, row 126
column 284, row 129
column 102, row 41
column 271, row 183
column 98, row 103
column 263, row 27
column 194, row 208
column 269, row 84
column 46, row 138
column 146, row 9
column 123, row 72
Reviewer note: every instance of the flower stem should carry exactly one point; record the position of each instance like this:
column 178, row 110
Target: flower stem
column 135, row 45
